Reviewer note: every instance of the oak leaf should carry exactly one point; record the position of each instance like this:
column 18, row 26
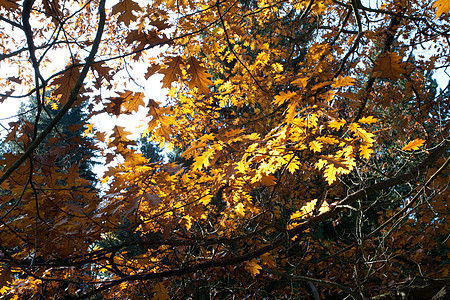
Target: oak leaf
column 9, row 4
column 368, row 120
column 66, row 83
column 443, row 7
column 389, row 65
column 53, row 9
column 125, row 8
column 199, row 78
column 253, row 267
column 161, row 292
column 172, row 71
column 132, row 101
column 414, row 145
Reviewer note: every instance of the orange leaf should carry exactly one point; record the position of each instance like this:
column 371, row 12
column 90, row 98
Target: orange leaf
column 132, row 101
column 443, row 7
column 172, row 71
column 253, row 267
column 414, row 145
column 199, row 78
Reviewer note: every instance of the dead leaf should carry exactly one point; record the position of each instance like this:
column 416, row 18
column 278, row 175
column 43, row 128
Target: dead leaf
column 389, row 65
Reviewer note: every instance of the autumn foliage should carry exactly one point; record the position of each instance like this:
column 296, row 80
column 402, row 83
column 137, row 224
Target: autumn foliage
column 314, row 142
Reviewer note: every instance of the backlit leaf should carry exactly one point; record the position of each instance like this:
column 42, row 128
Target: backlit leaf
column 199, row 77
column 172, row 71
column 443, row 7
column 389, row 65
column 125, row 10
column 253, row 267
column 414, row 145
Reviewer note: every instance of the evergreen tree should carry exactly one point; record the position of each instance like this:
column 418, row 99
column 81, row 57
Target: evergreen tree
column 71, row 145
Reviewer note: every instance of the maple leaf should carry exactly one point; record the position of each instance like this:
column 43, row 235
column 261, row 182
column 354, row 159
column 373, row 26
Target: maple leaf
column 253, row 267
column 389, row 65
column 125, row 8
column 161, row 292
column 293, row 166
column 172, row 71
column 414, row 145
column 443, row 7
column 199, row 78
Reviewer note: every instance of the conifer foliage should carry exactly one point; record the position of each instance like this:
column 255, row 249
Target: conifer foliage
column 313, row 138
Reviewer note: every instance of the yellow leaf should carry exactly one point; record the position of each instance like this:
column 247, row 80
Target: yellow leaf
column 365, row 151
column 315, row 146
column 161, row 292
column 239, row 209
column 368, row 120
column 301, row 82
column 283, row 97
column 253, row 267
column 366, row 136
column 293, row 166
column 203, row 160
column 187, row 222
column 343, row 81
column 88, row 129
column 336, row 124
column 414, row 145
column 443, row 7
column 104, row 180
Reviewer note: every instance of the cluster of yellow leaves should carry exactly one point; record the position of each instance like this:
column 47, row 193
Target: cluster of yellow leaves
column 307, row 211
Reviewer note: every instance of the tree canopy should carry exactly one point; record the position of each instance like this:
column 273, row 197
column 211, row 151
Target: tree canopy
column 311, row 142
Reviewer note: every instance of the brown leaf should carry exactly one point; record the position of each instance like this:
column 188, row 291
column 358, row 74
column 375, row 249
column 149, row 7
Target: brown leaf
column 125, row 8
column 199, row 78
column 172, row 71
column 66, row 83
column 389, row 65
